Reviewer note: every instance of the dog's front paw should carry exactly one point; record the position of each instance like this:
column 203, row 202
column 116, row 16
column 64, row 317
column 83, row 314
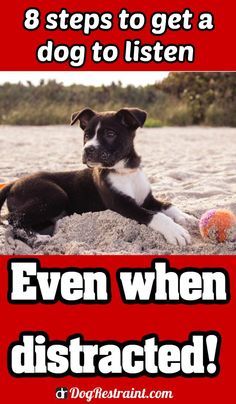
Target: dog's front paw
column 180, row 217
column 173, row 232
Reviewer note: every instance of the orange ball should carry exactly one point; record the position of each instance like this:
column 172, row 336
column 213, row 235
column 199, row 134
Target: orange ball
column 218, row 225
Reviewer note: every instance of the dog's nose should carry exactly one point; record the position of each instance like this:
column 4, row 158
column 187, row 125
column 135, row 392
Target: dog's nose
column 90, row 150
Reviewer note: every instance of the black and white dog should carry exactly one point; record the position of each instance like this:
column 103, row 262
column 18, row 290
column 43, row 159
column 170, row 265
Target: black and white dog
column 113, row 180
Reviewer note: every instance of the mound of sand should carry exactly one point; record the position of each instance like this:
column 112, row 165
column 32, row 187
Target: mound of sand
column 109, row 233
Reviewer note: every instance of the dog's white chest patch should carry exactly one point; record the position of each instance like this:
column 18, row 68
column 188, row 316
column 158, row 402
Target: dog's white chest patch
column 133, row 184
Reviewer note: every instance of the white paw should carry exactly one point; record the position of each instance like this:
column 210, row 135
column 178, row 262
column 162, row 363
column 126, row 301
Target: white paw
column 180, row 217
column 173, row 232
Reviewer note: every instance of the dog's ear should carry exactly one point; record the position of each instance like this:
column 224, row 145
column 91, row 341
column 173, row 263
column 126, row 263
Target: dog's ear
column 132, row 117
column 83, row 116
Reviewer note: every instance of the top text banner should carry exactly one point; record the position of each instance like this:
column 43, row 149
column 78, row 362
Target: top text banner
column 120, row 35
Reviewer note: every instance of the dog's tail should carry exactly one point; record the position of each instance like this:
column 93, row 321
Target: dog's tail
column 4, row 191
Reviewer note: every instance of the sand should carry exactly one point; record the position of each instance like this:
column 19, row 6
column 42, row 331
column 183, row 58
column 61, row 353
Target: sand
column 194, row 167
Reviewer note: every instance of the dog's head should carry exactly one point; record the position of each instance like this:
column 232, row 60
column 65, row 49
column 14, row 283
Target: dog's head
column 108, row 136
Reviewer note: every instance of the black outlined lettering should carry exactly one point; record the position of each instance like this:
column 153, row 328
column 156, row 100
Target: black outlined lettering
column 104, row 53
column 161, row 21
column 206, row 22
column 31, row 19
column 135, row 52
column 131, row 51
column 132, row 21
column 162, row 284
column 87, row 22
column 29, row 284
column 35, row 356
column 75, row 55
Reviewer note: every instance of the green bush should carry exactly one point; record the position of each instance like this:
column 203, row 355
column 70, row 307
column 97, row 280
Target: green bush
column 179, row 116
column 153, row 123
column 217, row 115
column 181, row 99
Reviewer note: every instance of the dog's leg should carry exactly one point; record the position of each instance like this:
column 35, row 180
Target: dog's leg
column 37, row 213
column 170, row 210
column 126, row 206
column 180, row 217
column 155, row 205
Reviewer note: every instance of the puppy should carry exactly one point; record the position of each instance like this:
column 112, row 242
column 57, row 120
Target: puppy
column 113, row 180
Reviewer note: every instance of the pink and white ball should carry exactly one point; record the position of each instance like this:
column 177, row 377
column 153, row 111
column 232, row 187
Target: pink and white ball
column 218, row 225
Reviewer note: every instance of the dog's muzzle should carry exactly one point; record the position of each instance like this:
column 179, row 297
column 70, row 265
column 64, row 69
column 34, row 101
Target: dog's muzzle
column 90, row 153
column 95, row 156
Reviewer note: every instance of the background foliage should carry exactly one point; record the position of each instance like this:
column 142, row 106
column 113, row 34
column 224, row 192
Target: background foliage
column 180, row 99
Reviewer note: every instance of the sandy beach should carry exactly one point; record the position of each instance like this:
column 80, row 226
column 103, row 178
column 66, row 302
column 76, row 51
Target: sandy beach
column 194, row 167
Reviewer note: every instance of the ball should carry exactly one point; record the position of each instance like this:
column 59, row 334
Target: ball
column 218, row 225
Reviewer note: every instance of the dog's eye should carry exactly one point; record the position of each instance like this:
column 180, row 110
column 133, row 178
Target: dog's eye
column 86, row 135
column 110, row 134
